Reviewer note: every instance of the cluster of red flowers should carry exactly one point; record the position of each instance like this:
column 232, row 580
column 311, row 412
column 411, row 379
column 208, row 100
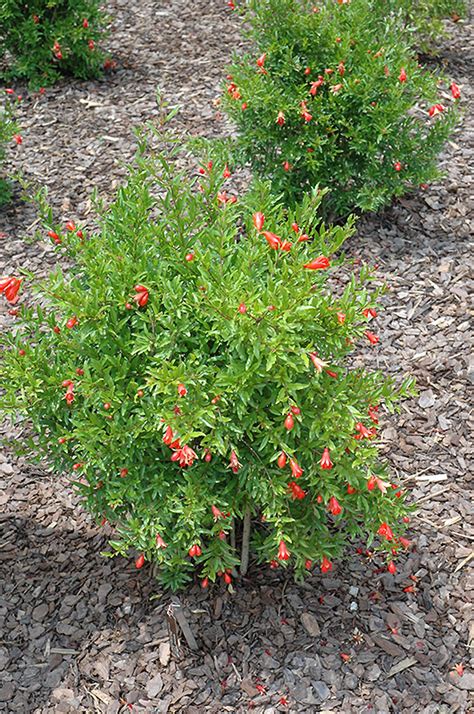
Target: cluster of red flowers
column 277, row 243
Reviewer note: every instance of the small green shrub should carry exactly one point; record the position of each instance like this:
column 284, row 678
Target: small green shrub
column 193, row 371
column 335, row 98
column 8, row 129
column 424, row 20
column 40, row 40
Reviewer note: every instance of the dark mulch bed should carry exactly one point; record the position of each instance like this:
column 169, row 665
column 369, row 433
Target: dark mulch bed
column 84, row 634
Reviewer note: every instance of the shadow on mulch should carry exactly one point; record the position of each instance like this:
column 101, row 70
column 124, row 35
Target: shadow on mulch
column 81, row 631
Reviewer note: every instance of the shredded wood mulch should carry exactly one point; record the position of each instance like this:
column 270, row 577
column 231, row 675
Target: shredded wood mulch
column 79, row 633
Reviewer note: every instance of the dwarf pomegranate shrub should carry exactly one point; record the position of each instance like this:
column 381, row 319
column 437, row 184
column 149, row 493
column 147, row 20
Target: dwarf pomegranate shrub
column 8, row 129
column 43, row 39
column 425, row 20
column 334, row 96
column 193, row 375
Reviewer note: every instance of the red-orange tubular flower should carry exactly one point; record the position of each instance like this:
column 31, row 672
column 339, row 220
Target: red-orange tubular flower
column 283, row 552
column 319, row 263
column 10, row 287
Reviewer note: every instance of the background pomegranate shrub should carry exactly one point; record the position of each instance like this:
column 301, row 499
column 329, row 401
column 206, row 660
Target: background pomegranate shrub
column 40, row 40
column 335, row 97
column 424, row 20
column 194, row 368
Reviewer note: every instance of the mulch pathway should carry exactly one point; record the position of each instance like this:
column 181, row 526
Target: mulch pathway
column 79, row 633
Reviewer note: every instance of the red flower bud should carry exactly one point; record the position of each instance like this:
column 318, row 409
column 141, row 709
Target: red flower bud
column 261, row 60
column 258, row 220
column 402, row 77
column 72, row 322
column 289, row 422
column 182, row 391
column 189, row 257
column 326, row 565
column 142, row 296
column 391, row 567
column 140, row 561
column 234, row 463
column 226, row 173
column 205, row 583
column 296, row 410
column 282, row 460
column 107, row 406
column 227, row 578
column 242, row 308
column 455, row 91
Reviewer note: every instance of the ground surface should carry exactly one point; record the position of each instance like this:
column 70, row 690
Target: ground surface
column 81, row 634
